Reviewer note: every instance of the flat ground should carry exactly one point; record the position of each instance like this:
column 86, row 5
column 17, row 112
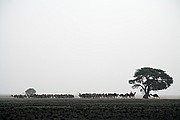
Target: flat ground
column 89, row 109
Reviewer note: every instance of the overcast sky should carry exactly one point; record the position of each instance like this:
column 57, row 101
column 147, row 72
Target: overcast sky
column 72, row 46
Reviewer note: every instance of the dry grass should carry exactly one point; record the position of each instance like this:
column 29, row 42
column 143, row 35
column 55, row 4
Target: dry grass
column 89, row 109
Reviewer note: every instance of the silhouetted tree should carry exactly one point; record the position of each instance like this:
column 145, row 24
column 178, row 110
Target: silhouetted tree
column 148, row 79
column 30, row 91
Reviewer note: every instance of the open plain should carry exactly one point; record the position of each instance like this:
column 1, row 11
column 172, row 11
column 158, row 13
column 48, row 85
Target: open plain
column 89, row 109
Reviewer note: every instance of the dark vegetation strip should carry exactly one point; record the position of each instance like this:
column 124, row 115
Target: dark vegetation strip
column 89, row 109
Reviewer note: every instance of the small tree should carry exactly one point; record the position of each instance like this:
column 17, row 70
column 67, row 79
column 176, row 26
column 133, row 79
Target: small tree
column 150, row 79
column 30, row 91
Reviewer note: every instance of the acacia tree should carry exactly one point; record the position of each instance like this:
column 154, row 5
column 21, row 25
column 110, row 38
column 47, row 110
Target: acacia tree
column 150, row 79
column 30, row 91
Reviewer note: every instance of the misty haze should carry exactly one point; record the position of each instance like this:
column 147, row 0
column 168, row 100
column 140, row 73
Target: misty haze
column 104, row 52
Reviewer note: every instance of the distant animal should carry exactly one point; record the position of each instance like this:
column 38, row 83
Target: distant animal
column 121, row 95
column 154, row 95
column 132, row 95
column 127, row 95
column 124, row 95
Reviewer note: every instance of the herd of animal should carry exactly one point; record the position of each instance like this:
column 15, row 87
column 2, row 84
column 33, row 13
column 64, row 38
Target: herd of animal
column 113, row 95
column 44, row 96
column 84, row 95
column 107, row 95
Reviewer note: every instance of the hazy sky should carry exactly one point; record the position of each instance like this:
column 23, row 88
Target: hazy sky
column 72, row 46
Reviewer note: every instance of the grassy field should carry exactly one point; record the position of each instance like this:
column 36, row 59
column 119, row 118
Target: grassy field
column 89, row 109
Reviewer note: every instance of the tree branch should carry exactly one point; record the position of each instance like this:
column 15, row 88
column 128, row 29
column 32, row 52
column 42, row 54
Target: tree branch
column 139, row 85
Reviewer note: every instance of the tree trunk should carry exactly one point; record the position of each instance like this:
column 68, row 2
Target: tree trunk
column 146, row 95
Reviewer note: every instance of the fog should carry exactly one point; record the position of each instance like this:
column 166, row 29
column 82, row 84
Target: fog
column 72, row 46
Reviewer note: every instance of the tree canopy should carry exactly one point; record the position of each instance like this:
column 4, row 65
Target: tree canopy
column 150, row 79
column 30, row 91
